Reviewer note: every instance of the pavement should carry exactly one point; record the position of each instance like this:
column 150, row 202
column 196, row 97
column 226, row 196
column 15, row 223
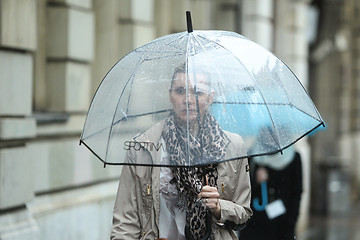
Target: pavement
column 344, row 226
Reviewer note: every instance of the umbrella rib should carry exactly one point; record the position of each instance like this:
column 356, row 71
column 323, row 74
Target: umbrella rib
column 288, row 145
column 102, row 81
column 118, row 102
column 193, row 43
column 140, row 62
column 187, row 94
column 196, row 95
column 167, row 44
column 197, row 40
column 145, row 59
column 276, row 104
column 254, row 79
column 93, row 152
column 156, row 58
column 130, row 78
column 136, row 50
column 141, row 115
column 181, row 34
column 93, row 134
column 291, row 105
column 302, row 86
column 92, row 100
column 198, row 165
column 122, row 119
column 300, row 110
column 252, row 103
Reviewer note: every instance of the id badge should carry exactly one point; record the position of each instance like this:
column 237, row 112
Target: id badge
column 275, row 209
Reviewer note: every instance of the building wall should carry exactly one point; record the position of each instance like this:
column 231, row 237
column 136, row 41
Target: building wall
column 335, row 65
column 54, row 54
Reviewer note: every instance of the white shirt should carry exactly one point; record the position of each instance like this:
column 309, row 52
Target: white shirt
column 171, row 220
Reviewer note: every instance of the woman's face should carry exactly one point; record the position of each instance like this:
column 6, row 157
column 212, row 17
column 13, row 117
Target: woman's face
column 184, row 100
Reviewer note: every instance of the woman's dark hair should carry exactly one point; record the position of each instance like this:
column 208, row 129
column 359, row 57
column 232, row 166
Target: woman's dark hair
column 179, row 69
column 182, row 69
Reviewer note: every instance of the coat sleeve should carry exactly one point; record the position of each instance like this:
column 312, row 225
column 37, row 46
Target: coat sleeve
column 236, row 210
column 126, row 224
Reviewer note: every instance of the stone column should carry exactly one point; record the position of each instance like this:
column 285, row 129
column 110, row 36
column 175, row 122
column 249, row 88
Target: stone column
column 136, row 23
column 355, row 23
column 170, row 15
column 162, row 17
column 227, row 15
column 257, row 22
column 291, row 36
column 121, row 26
column 70, row 50
column 17, row 45
column 291, row 45
column 347, row 41
column 356, row 73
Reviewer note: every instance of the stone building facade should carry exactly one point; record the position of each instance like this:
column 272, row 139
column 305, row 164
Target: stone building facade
column 53, row 55
column 335, row 73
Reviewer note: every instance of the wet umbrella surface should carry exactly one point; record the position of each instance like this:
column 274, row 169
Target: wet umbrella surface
column 250, row 92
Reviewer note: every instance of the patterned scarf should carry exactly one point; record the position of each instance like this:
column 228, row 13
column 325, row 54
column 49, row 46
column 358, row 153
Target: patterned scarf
column 209, row 145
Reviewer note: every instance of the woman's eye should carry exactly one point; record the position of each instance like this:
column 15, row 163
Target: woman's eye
column 180, row 90
column 200, row 92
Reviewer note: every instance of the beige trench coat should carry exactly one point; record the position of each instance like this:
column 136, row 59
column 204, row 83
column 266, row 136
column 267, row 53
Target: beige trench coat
column 137, row 205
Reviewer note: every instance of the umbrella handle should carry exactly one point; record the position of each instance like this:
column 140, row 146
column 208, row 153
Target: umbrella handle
column 264, row 196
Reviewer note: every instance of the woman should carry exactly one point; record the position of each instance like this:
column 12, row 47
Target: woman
column 184, row 203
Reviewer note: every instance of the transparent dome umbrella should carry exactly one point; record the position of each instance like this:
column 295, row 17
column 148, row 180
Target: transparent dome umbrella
column 255, row 96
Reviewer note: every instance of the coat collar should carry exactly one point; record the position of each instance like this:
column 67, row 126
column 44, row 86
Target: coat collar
column 153, row 136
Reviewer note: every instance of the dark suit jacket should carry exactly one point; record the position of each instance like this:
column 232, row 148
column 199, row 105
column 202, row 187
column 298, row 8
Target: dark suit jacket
column 285, row 184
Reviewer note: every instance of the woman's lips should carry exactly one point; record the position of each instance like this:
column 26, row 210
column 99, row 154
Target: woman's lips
column 189, row 110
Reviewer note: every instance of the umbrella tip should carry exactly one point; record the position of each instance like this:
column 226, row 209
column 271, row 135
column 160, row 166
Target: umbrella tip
column 188, row 21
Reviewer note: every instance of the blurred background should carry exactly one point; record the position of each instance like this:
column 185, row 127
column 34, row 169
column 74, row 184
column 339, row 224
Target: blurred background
column 54, row 54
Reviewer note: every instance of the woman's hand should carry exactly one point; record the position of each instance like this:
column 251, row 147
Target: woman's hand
column 210, row 196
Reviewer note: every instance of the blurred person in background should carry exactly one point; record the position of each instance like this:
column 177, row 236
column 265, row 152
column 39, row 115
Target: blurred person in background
column 276, row 182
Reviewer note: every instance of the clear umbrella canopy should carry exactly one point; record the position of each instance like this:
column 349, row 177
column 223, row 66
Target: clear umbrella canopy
column 253, row 94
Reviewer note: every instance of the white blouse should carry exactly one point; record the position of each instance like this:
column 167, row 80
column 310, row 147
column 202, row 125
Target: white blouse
column 172, row 220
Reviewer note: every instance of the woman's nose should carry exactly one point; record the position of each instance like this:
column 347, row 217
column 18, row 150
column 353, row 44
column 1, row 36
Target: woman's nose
column 191, row 98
